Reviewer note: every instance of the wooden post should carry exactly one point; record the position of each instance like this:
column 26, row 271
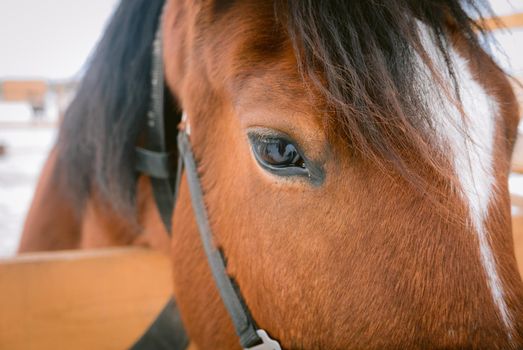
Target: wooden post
column 509, row 21
column 517, row 229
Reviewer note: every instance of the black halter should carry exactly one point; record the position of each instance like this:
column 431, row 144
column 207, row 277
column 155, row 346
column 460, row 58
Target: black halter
column 158, row 163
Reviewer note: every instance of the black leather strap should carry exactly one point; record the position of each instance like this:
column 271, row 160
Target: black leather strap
column 155, row 160
column 154, row 164
column 240, row 316
column 166, row 332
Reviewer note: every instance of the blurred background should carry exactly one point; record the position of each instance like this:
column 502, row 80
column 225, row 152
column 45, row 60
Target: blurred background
column 45, row 46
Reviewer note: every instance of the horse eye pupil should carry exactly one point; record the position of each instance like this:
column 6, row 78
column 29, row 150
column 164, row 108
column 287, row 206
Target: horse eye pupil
column 281, row 154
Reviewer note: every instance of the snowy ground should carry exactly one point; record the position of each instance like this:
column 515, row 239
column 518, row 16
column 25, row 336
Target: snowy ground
column 27, row 147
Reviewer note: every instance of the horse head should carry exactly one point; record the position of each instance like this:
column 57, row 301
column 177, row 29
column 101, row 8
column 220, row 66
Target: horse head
column 353, row 160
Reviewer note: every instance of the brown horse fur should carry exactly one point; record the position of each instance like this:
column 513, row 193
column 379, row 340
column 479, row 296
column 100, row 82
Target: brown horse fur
column 377, row 255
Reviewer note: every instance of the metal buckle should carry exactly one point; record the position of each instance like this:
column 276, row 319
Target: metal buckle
column 267, row 342
column 185, row 126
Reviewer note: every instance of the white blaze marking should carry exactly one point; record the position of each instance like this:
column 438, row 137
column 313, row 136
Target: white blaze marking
column 471, row 142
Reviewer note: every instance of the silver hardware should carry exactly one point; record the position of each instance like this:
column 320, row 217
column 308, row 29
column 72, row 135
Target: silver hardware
column 267, row 342
column 185, row 121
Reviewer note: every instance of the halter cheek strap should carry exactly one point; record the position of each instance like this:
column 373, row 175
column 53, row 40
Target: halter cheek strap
column 250, row 337
column 156, row 162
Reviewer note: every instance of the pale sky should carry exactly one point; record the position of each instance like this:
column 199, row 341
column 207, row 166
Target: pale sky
column 49, row 38
column 53, row 38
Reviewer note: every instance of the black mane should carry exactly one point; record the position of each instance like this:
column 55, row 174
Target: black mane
column 104, row 121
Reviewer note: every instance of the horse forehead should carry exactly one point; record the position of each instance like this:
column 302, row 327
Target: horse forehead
column 245, row 40
column 247, row 53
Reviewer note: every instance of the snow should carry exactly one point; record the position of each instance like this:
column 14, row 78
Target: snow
column 506, row 7
column 15, row 112
column 509, row 53
column 27, row 147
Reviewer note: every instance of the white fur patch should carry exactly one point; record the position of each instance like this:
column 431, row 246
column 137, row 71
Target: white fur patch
column 470, row 141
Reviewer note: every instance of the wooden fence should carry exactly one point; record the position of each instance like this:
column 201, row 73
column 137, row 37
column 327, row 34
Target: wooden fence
column 99, row 299
column 508, row 22
column 517, row 229
column 32, row 91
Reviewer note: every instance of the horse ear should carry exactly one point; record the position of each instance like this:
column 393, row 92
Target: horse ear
column 96, row 144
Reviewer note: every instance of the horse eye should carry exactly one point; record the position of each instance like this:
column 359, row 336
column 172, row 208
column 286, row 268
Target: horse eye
column 278, row 155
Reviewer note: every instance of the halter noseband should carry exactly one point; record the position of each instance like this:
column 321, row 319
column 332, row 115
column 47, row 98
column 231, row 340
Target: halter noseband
column 157, row 162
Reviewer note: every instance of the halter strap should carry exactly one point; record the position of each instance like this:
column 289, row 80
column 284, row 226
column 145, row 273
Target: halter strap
column 166, row 332
column 157, row 163
column 243, row 323
column 155, row 160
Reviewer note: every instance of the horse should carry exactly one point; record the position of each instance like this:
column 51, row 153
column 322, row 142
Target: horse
column 351, row 160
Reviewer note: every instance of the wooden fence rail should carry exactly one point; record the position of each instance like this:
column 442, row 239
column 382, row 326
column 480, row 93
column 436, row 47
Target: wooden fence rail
column 509, row 21
column 99, row 299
